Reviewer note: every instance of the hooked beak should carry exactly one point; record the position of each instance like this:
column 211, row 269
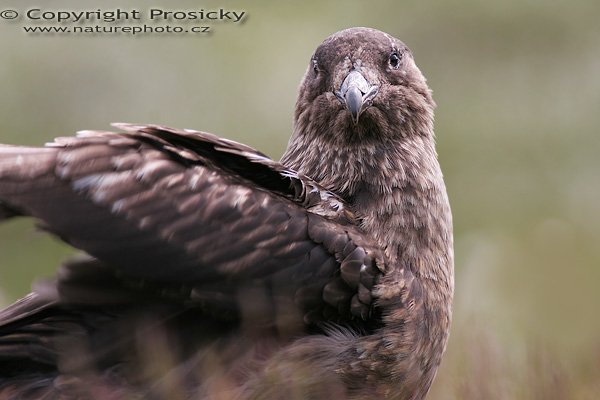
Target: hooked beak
column 356, row 93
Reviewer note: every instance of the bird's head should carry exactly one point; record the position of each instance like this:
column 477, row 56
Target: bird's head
column 363, row 83
column 364, row 113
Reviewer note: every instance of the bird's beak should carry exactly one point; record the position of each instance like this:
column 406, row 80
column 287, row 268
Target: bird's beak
column 356, row 93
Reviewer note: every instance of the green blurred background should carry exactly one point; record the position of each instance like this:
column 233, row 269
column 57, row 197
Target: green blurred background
column 518, row 90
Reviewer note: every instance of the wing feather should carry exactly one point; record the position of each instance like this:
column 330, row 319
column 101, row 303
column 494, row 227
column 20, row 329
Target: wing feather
column 170, row 208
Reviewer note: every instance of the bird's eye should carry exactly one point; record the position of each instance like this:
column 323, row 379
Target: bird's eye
column 395, row 60
column 315, row 66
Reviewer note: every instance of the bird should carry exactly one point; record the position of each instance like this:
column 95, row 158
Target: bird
column 208, row 270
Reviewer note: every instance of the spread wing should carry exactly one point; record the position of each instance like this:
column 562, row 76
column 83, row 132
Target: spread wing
column 193, row 217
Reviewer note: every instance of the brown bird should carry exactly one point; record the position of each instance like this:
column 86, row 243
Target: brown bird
column 215, row 272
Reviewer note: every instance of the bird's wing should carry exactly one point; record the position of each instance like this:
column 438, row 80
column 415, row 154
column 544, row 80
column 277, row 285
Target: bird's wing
column 186, row 212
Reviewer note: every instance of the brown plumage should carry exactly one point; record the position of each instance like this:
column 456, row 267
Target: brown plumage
column 215, row 272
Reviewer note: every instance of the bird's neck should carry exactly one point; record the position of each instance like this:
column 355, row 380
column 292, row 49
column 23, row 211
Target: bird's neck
column 400, row 199
column 397, row 191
